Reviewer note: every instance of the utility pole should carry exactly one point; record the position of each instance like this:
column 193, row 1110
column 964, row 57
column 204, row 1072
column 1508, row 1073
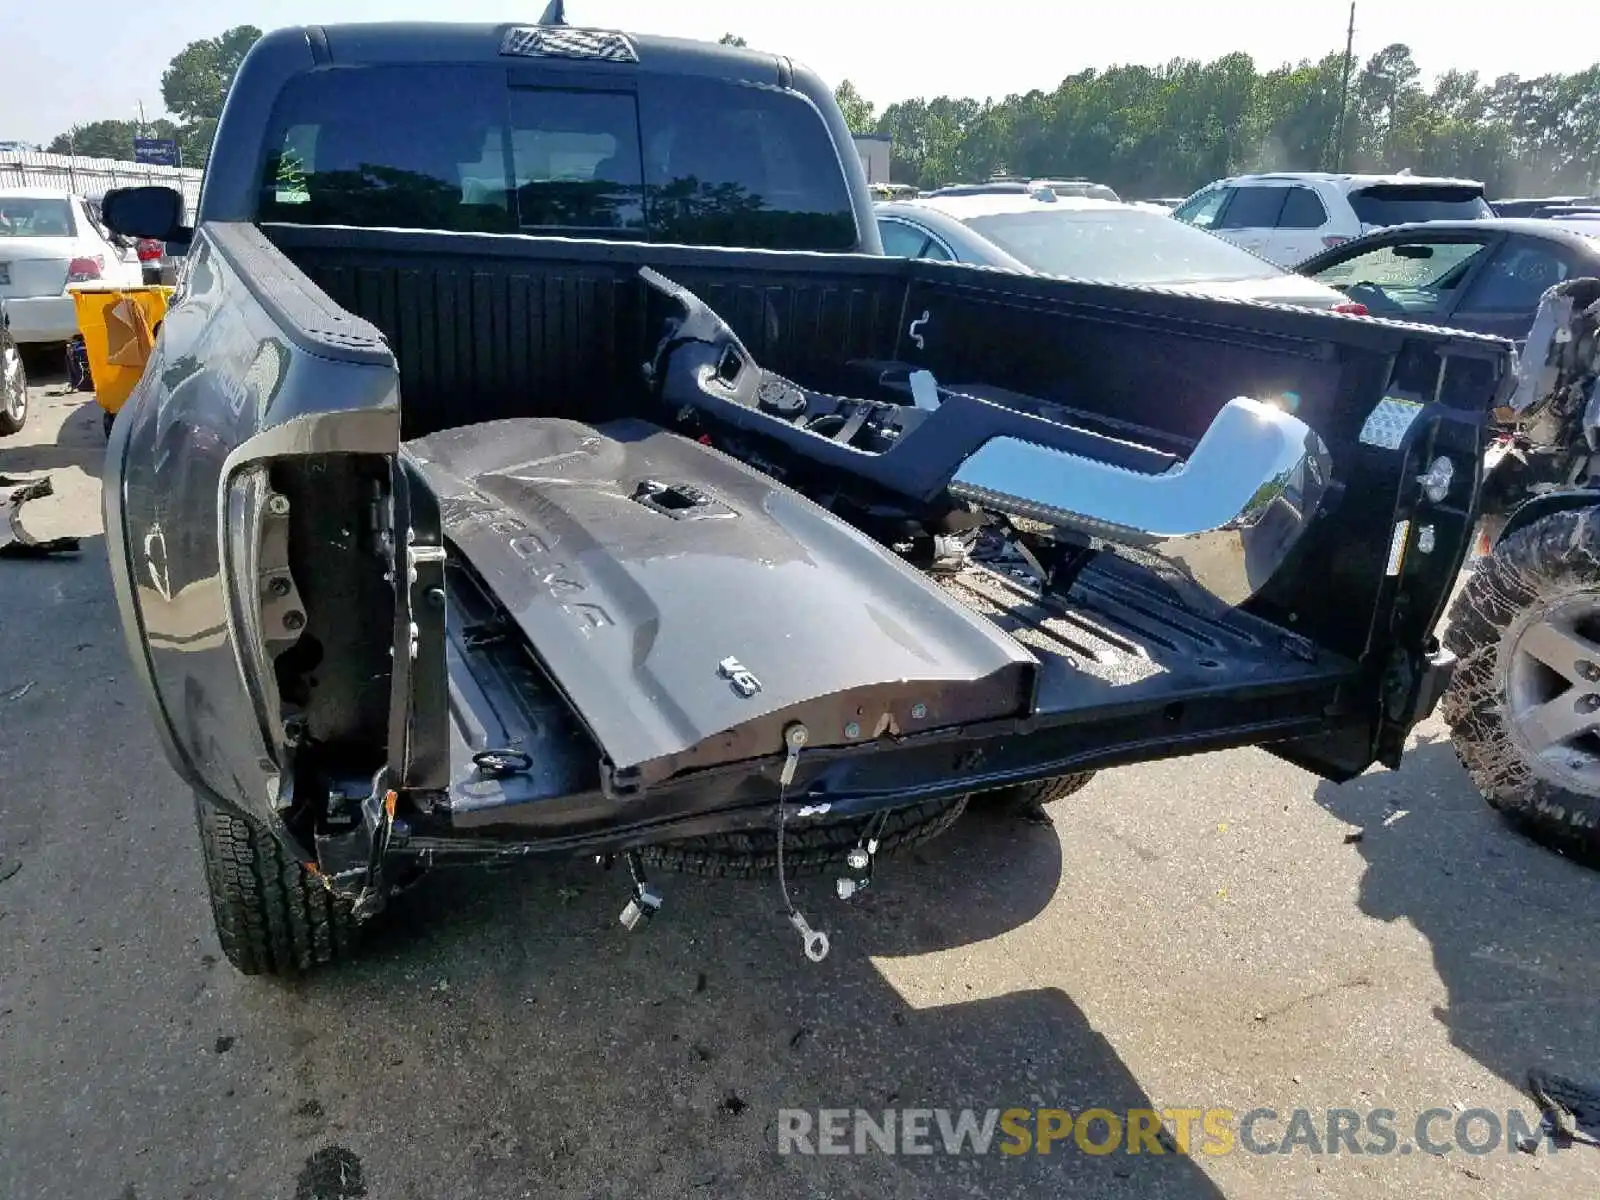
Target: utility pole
column 1344, row 88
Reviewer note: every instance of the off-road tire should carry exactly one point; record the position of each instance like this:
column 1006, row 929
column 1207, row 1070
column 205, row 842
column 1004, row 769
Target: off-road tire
column 808, row 849
column 13, row 389
column 273, row 916
column 1024, row 799
column 1550, row 560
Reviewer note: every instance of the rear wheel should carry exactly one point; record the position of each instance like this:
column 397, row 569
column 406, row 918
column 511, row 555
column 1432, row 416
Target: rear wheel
column 1026, row 799
column 13, row 390
column 1524, row 704
column 807, row 849
column 273, row 916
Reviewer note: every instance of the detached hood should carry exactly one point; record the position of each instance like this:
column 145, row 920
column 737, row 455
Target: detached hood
column 690, row 608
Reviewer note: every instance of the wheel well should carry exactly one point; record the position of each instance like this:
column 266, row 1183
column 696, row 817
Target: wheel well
column 1550, row 503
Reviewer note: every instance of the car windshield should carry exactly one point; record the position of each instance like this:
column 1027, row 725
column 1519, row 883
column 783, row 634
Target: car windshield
column 1413, row 266
column 1403, row 204
column 1119, row 245
column 1410, row 279
column 1090, row 191
column 29, row 216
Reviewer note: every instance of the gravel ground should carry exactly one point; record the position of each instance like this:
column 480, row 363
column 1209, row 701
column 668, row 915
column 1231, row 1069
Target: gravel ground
column 1224, row 931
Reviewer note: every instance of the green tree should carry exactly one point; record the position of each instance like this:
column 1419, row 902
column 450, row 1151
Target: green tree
column 731, row 39
column 108, row 139
column 196, row 83
column 858, row 111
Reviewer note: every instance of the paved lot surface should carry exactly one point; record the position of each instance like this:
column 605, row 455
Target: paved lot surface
column 1202, row 933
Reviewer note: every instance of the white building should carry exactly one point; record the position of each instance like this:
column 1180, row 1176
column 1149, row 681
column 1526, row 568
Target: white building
column 876, row 152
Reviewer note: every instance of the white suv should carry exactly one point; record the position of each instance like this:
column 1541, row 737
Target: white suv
column 1288, row 217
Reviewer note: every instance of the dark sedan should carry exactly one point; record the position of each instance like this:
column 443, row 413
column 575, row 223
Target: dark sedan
column 1485, row 275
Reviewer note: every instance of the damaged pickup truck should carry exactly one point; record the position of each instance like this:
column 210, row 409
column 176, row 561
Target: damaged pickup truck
column 487, row 496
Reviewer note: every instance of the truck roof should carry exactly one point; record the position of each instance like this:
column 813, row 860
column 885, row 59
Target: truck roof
column 432, row 42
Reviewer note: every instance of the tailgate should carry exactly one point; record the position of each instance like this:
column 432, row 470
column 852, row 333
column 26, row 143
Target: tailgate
column 690, row 608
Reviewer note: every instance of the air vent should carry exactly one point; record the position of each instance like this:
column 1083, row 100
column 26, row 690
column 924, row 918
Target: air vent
column 531, row 41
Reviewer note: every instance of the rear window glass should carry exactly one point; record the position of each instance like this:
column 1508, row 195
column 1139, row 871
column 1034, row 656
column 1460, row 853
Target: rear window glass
column 32, row 216
column 1402, row 204
column 702, row 162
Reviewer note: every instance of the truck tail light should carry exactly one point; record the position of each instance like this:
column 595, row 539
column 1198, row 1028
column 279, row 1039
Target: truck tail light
column 1352, row 307
column 150, row 250
column 82, row 270
column 1334, row 239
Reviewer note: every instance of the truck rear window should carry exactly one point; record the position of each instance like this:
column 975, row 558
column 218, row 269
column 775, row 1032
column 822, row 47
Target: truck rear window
column 672, row 159
column 1401, row 204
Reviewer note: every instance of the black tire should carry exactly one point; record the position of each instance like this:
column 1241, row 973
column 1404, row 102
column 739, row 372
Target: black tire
column 273, row 916
column 1025, row 799
column 1551, row 565
column 13, row 389
column 807, row 849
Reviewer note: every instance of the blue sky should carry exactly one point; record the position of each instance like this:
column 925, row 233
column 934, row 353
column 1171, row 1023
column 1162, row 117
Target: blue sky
column 100, row 58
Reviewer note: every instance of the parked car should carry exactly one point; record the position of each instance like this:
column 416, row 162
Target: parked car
column 1086, row 188
column 1532, row 207
column 1091, row 239
column 577, row 563
column 1287, row 217
column 49, row 240
column 152, row 255
column 1483, row 275
column 13, row 381
column 1524, row 707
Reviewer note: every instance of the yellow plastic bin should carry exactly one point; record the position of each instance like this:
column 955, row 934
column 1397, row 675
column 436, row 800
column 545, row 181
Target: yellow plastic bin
column 119, row 326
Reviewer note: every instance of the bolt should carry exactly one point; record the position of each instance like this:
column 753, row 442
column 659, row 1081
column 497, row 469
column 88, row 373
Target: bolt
column 858, row 859
column 278, row 505
column 1589, row 671
column 436, row 597
column 279, row 586
column 852, row 730
column 918, row 711
column 294, row 620
column 1588, row 703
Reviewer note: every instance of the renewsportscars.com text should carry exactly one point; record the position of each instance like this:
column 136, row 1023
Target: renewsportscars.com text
column 1375, row 1132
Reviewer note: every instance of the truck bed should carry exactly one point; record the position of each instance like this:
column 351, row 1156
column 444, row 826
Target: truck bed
column 383, row 337
column 592, row 626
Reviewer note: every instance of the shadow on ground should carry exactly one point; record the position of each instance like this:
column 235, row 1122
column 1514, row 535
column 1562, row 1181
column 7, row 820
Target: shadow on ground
column 534, row 1041
column 1512, row 925
column 79, row 442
